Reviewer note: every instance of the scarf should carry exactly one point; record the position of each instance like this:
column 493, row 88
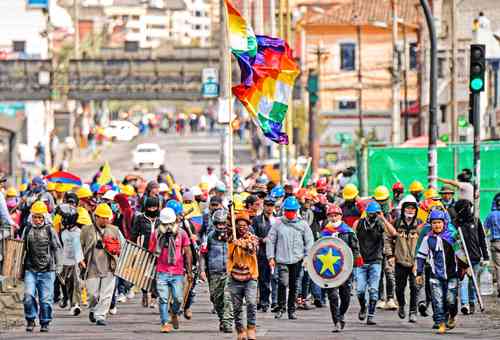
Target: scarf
column 167, row 240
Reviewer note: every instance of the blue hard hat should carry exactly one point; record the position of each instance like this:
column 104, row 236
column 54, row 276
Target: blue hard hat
column 278, row 192
column 220, row 186
column 291, row 203
column 437, row 215
column 175, row 206
column 373, row 208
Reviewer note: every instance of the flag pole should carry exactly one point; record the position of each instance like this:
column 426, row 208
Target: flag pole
column 305, row 172
column 226, row 96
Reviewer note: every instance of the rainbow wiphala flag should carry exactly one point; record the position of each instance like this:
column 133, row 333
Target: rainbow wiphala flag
column 268, row 74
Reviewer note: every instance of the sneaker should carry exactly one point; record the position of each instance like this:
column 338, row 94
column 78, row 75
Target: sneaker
column 465, row 309
column 63, row 304
column 30, row 325
column 227, row 329
column 130, row 294
column 153, row 304
column 380, row 304
column 44, row 328
column 370, row 320
column 175, row 321
column 318, row 304
column 336, row 328
column 442, row 328
column 274, row 308
column 342, row 324
column 113, row 311
column 391, row 305
column 278, row 315
column 401, row 312
column 451, row 323
column 166, row 328
column 92, row 317
column 188, row 314
column 422, row 309
column 362, row 314
column 413, row 317
column 292, row 316
column 264, row 309
column 75, row 310
column 121, row 298
column 145, row 300
column 100, row 323
column 472, row 309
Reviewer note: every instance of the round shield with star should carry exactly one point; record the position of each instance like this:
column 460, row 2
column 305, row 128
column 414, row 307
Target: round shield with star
column 329, row 262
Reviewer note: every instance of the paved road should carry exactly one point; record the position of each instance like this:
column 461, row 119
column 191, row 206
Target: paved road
column 135, row 322
column 186, row 156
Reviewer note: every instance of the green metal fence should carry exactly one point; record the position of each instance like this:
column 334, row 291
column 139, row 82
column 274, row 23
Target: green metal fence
column 387, row 165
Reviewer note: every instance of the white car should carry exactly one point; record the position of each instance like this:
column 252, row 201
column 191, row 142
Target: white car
column 121, row 130
column 148, row 155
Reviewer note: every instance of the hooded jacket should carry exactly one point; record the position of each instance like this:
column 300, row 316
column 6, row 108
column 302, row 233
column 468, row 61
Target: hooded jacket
column 492, row 222
column 473, row 232
column 289, row 241
column 42, row 249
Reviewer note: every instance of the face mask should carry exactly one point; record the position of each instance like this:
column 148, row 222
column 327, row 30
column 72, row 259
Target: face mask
column 220, row 234
column 372, row 218
column 168, row 228
column 11, row 203
column 152, row 213
column 290, row 214
column 336, row 224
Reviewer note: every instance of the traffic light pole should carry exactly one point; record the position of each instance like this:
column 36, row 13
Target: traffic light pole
column 475, row 97
column 433, row 133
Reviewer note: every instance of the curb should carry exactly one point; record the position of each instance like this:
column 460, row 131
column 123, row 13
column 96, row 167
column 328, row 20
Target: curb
column 11, row 307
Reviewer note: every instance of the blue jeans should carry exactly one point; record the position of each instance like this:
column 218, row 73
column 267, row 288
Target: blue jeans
column 444, row 299
column 41, row 284
column 244, row 292
column 467, row 290
column 169, row 285
column 368, row 276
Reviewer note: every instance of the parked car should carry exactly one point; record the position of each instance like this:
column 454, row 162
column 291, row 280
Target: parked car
column 121, row 130
column 148, row 155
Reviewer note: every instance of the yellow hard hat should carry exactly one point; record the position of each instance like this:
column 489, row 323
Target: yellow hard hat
column 128, row 190
column 63, row 187
column 103, row 210
column 238, row 202
column 416, row 186
column 51, row 186
column 381, row 193
column 431, row 193
column 11, row 191
column 83, row 216
column 83, row 192
column 204, row 186
column 23, row 187
column 350, row 192
column 39, row 208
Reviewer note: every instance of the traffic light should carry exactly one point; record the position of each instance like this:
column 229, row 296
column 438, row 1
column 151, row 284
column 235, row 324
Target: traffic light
column 477, row 68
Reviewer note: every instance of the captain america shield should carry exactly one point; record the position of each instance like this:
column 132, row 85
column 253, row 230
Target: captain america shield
column 329, row 262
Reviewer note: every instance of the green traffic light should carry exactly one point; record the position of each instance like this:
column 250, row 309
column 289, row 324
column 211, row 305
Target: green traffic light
column 476, row 84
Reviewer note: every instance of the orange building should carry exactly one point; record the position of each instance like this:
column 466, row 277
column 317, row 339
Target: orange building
column 356, row 65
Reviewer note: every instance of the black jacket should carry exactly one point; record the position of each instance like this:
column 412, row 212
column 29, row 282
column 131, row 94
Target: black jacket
column 371, row 240
column 475, row 240
column 261, row 226
column 141, row 226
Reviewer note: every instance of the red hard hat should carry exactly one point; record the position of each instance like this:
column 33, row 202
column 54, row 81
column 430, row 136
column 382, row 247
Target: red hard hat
column 102, row 190
column 321, row 183
column 333, row 209
column 398, row 186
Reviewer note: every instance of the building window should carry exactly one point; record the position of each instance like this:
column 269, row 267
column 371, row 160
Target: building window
column 197, row 13
column 131, row 46
column 135, row 17
column 347, row 105
column 18, row 46
column 348, row 56
column 441, row 67
column 442, row 108
column 413, row 56
column 197, row 27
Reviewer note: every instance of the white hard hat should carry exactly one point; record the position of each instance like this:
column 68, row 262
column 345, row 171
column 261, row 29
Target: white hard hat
column 167, row 215
column 407, row 199
column 109, row 195
column 163, row 187
column 196, row 191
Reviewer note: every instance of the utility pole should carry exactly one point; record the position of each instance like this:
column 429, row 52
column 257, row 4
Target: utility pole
column 246, row 11
column 225, row 99
column 289, row 116
column 76, row 15
column 360, row 85
column 396, row 78
column 433, row 132
column 405, row 84
column 272, row 19
column 454, row 75
column 283, row 148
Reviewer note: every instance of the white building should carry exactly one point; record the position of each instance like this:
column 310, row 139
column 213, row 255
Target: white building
column 23, row 36
column 193, row 26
